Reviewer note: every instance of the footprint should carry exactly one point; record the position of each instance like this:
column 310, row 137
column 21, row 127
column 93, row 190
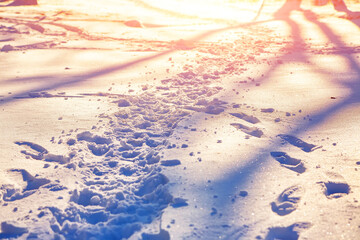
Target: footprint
column 36, row 27
column 86, row 197
column 98, row 149
column 335, row 187
column 288, row 162
column 245, row 117
column 34, row 150
column 151, row 184
column 291, row 232
column 12, row 193
column 306, row 147
column 89, row 137
column 253, row 131
column 288, row 200
column 32, row 182
column 57, row 158
column 38, row 152
column 267, row 110
column 97, row 145
column 33, row 146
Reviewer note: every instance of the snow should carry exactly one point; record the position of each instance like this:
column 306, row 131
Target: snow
column 167, row 122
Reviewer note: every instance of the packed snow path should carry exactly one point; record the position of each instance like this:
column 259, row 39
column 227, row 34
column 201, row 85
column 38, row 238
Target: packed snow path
column 243, row 133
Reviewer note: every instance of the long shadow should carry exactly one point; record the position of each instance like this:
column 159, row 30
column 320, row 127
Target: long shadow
column 350, row 15
column 241, row 178
column 57, row 81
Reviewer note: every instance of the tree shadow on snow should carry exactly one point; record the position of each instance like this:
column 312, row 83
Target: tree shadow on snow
column 50, row 82
column 241, row 178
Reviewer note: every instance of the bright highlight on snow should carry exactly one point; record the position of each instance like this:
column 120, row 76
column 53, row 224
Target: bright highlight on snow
column 139, row 119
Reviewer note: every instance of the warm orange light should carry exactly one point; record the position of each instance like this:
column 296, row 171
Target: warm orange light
column 229, row 10
column 195, row 11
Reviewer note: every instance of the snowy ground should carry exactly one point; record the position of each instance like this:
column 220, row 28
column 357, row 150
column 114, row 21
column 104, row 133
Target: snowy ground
column 131, row 119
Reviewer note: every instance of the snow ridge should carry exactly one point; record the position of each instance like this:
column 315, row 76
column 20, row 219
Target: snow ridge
column 117, row 186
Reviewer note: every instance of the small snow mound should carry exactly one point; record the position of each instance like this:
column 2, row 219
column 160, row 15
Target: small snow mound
column 151, row 183
column 86, row 197
column 214, row 110
column 120, row 196
column 202, row 102
column 134, row 23
column 144, row 125
column 98, row 149
column 187, row 75
column 7, row 48
column 95, row 200
column 89, row 137
column 184, row 44
column 153, row 143
column 128, row 170
column 123, row 103
column 152, row 157
column 70, row 141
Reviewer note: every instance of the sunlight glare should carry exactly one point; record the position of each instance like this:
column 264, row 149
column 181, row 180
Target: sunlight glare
column 198, row 10
column 210, row 9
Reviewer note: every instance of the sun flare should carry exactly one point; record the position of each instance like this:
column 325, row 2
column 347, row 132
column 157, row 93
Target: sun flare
column 193, row 11
column 179, row 119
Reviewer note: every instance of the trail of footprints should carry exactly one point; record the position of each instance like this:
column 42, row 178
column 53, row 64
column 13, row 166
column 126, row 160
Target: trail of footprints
column 291, row 232
column 131, row 154
column 120, row 187
column 288, row 162
column 289, row 199
column 127, row 157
